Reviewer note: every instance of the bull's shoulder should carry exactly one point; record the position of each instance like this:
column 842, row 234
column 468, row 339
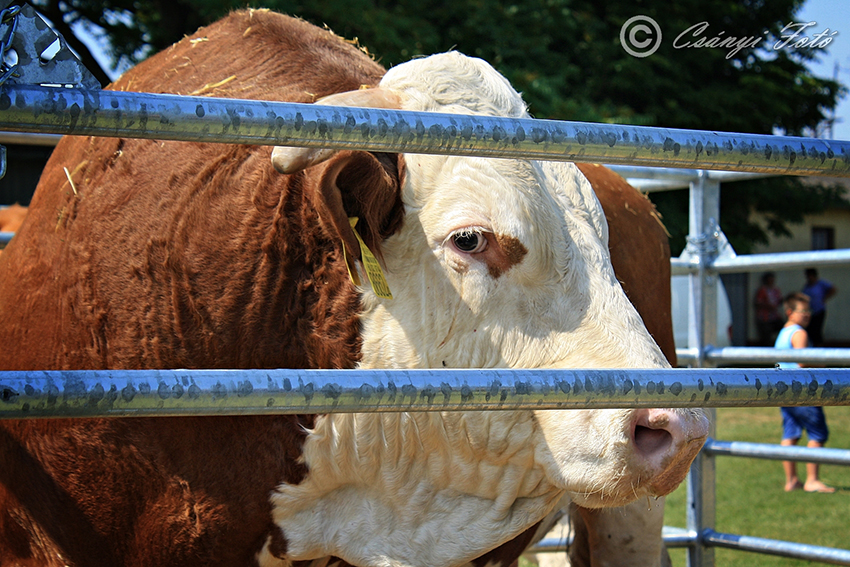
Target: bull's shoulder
column 256, row 54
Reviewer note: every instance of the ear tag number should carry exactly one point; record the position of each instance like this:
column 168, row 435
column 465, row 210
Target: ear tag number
column 370, row 264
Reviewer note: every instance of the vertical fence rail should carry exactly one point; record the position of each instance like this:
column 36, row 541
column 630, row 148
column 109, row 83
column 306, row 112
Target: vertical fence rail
column 704, row 239
column 704, row 211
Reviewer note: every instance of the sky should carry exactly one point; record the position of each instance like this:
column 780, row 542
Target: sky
column 831, row 15
column 835, row 15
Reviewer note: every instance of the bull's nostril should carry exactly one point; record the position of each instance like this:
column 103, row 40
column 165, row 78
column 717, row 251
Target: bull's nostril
column 650, row 441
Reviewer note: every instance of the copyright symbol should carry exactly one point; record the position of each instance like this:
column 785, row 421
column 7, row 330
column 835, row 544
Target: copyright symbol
column 640, row 36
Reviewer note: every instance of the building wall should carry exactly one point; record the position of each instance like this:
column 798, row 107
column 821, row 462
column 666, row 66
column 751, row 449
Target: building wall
column 837, row 326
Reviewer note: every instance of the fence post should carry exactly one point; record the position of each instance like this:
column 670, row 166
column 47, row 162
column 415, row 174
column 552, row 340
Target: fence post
column 703, row 239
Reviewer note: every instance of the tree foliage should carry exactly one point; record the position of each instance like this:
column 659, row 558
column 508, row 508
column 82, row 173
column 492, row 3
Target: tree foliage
column 566, row 58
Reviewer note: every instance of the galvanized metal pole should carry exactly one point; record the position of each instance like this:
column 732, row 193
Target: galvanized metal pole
column 770, row 355
column 29, row 108
column 700, row 513
column 703, row 243
column 116, row 393
column 822, row 455
column 779, row 548
column 773, row 261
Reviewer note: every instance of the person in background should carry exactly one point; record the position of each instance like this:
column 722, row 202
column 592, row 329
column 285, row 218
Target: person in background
column 796, row 419
column 768, row 316
column 818, row 291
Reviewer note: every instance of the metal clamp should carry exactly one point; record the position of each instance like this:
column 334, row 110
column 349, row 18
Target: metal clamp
column 9, row 23
column 40, row 59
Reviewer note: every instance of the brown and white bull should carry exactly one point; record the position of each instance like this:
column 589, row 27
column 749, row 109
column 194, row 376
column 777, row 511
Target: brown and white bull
column 147, row 254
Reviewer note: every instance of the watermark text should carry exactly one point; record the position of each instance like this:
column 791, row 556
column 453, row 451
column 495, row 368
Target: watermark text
column 641, row 36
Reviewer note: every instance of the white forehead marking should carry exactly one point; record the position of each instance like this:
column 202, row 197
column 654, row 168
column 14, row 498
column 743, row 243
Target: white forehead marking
column 452, row 82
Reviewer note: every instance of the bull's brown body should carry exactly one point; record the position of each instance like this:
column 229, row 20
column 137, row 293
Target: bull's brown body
column 215, row 261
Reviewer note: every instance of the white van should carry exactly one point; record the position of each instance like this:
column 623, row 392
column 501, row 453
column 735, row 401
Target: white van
column 679, row 306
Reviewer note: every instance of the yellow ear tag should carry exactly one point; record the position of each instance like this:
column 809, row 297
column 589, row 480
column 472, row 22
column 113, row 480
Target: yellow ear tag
column 370, row 264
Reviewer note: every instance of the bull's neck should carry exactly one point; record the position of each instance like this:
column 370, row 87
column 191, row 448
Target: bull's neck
column 382, row 488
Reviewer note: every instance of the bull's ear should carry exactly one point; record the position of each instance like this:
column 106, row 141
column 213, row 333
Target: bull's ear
column 364, row 185
column 289, row 159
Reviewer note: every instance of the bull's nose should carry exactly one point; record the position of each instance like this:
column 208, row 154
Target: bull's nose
column 668, row 441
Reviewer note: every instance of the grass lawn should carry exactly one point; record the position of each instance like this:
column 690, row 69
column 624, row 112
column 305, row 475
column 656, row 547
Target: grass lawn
column 750, row 496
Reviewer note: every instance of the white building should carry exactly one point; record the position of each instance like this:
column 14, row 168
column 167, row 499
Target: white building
column 826, row 231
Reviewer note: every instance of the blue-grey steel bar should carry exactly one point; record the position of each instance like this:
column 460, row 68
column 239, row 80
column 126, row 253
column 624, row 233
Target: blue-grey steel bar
column 204, row 392
column 681, row 177
column 673, row 537
column 551, row 545
column 767, row 355
column 25, row 138
column 678, row 537
column 822, row 455
column 759, row 262
column 703, row 241
column 28, row 108
column 776, row 547
column 5, row 237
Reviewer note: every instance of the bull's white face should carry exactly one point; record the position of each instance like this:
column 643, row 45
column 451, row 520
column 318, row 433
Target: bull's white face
column 502, row 263
column 499, row 263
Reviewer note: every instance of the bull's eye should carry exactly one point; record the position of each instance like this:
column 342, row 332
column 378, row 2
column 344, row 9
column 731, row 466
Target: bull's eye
column 469, row 241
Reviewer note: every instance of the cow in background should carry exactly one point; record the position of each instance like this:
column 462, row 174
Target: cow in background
column 11, row 218
column 192, row 255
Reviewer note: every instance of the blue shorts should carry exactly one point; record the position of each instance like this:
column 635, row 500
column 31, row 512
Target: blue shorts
column 812, row 419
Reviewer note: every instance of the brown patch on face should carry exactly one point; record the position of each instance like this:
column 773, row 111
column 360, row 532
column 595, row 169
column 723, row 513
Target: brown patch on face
column 503, row 253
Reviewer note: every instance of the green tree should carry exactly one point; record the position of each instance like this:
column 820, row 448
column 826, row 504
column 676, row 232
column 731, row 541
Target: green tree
column 566, row 58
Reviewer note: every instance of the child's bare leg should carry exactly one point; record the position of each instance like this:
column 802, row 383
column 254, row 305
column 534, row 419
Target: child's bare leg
column 792, row 482
column 813, row 482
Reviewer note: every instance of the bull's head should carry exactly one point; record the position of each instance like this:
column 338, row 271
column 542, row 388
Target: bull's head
column 497, row 263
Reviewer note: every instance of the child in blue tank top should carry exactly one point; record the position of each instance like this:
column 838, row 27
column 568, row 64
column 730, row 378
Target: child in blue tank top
column 796, row 419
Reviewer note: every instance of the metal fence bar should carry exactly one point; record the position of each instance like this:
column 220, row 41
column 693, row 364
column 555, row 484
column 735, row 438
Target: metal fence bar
column 678, row 537
column 759, row 262
column 703, row 247
column 761, row 355
column 701, row 503
column 28, row 108
column 704, row 209
column 782, row 261
column 201, row 392
column 650, row 179
column 777, row 547
column 28, row 139
column 673, row 537
column 552, row 545
column 820, row 455
column 766, row 355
